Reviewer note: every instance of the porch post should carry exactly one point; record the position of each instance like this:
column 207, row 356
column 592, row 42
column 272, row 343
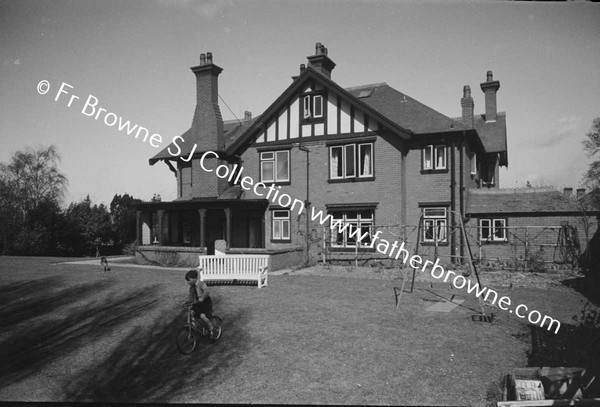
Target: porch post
column 262, row 231
column 229, row 224
column 138, row 227
column 161, row 238
column 202, row 213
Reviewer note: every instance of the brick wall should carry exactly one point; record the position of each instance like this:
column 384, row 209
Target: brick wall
column 540, row 232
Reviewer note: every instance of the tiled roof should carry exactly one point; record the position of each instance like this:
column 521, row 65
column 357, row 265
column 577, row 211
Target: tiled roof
column 232, row 129
column 519, row 200
column 492, row 134
column 404, row 110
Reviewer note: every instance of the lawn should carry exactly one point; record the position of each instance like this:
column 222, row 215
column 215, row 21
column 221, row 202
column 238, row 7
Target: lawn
column 72, row 333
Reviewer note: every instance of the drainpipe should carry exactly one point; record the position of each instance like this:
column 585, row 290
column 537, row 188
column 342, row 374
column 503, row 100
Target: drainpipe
column 307, row 201
column 462, row 189
column 452, row 202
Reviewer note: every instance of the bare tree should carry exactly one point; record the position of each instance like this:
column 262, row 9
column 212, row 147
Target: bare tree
column 32, row 176
column 592, row 146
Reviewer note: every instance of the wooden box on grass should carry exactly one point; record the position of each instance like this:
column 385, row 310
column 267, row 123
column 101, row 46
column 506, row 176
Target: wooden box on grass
column 550, row 386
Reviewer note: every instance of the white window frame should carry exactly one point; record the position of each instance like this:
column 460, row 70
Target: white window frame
column 346, row 148
column 307, row 107
column 493, row 230
column 438, row 222
column 274, row 160
column 361, row 222
column 279, row 218
column 433, row 150
column 310, row 104
column 474, row 164
column 361, row 174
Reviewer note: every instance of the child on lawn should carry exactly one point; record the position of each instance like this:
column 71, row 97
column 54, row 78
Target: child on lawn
column 202, row 303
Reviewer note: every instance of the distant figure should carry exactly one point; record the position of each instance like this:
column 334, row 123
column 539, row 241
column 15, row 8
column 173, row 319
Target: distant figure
column 104, row 264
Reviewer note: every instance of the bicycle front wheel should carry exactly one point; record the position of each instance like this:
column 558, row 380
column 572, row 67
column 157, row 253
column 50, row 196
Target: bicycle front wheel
column 186, row 340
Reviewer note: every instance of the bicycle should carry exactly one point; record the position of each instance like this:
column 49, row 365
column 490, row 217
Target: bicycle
column 188, row 335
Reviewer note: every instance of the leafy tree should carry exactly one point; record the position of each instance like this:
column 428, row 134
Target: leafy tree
column 592, row 146
column 122, row 210
column 94, row 224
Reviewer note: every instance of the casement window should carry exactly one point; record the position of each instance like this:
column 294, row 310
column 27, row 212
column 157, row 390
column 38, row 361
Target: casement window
column 275, row 166
column 488, row 171
column 351, row 161
column 492, row 230
column 435, row 222
column 280, row 226
column 349, row 226
column 312, row 106
column 434, row 157
column 474, row 164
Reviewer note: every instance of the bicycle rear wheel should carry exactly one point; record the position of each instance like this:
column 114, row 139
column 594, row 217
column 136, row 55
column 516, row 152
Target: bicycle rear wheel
column 217, row 324
column 186, row 340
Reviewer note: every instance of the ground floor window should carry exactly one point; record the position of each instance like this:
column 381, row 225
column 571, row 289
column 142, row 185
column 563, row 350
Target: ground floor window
column 350, row 228
column 492, row 230
column 435, row 225
column 280, row 230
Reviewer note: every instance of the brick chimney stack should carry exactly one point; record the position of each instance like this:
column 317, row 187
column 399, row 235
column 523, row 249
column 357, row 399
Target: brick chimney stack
column 490, row 88
column 580, row 193
column 468, row 107
column 567, row 191
column 207, row 125
column 320, row 61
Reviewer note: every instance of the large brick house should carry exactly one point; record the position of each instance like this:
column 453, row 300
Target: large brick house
column 369, row 155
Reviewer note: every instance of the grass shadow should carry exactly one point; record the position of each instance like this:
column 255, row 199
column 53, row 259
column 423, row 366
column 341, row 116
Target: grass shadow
column 589, row 287
column 40, row 342
column 146, row 366
column 27, row 300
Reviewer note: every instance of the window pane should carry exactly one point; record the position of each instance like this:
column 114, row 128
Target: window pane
column 283, row 173
column 366, row 215
column 276, row 229
column 281, row 214
column 336, row 162
column 441, row 230
column 267, row 156
column 485, row 229
column 366, row 162
column 428, row 230
column 285, row 229
column 365, row 228
column 427, row 158
column 499, row 231
column 350, row 171
column 440, row 157
column 266, row 173
column 318, row 106
column 434, row 212
column 307, row 112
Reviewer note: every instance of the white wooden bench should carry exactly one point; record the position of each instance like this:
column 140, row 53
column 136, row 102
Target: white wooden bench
column 253, row 267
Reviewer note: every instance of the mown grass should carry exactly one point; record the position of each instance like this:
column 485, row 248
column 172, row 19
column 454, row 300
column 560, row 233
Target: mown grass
column 303, row 339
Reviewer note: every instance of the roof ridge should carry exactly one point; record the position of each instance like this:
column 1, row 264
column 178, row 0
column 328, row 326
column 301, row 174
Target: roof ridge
column 368, row 85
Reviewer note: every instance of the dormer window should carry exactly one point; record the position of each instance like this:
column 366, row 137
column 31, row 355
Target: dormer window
column 313, row 106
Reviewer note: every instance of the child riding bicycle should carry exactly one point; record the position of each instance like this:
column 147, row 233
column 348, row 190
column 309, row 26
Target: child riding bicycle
column 200, row 298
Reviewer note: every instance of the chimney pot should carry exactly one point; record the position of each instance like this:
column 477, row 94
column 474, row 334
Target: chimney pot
column 202, row 59
column 580, row 193
column 568, row 191
column 318, row 48
column 302, row 68
column 209, row 58
column 490, row 76
column 247, row 115
column 466, row 91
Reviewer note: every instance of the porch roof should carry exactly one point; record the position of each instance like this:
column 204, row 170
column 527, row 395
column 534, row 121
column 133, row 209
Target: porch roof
column 208, row 203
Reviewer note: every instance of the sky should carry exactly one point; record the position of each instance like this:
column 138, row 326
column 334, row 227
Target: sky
column 134, row 58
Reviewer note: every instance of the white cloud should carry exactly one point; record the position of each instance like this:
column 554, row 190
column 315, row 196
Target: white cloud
column 565, row 128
